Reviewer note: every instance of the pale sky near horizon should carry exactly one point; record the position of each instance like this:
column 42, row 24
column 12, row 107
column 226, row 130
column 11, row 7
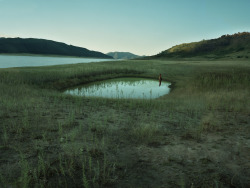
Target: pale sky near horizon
column 143, row 27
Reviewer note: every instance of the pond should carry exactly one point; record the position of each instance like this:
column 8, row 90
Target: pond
column 7, row 61
column 123, row 88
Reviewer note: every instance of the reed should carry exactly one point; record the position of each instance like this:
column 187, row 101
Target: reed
column 94, row 142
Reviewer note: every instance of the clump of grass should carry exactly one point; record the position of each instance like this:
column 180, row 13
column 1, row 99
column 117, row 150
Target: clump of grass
column 84, row 178
column 226, row 80
column 97, row 172
column 25, row 178
column 2, row 179
column 5, row 137
column 193, row 134
column 210, row 123
column 146, row 132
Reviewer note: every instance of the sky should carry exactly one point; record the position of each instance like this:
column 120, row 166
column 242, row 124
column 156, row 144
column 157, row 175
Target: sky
column 143, row 27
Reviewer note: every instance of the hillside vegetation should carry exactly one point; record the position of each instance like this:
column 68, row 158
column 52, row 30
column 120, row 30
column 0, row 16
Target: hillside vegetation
column 122, row 55
column 235, row 46
column 44, row 47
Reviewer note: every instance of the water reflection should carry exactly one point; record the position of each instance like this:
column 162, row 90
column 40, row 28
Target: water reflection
column 7, row 61
column 123, row 88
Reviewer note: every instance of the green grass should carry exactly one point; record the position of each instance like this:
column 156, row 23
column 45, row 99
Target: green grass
column 187, row 138
column 227, row 47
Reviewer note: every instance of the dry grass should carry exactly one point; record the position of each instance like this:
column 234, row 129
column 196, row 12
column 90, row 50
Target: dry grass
column 49, row 139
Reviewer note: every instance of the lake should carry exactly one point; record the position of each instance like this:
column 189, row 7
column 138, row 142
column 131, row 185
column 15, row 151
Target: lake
column 123, row 88
column 7, row 61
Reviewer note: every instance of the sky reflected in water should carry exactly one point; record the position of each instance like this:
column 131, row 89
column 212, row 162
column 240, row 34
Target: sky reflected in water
column 123, row 88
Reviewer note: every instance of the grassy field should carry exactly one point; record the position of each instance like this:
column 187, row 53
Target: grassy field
column 197, row 136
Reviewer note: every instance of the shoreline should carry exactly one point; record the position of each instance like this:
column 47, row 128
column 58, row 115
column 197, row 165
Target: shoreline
column 50, row 55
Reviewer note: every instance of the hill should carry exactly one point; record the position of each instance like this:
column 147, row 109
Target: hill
column 122, row 55
column 44, row 47
column 225, row 47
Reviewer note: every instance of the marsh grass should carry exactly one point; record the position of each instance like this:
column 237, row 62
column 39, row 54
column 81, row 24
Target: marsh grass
column 66, row 141
column 210, row 122
column 146, row 133
column 229, row 80
column 5, row 137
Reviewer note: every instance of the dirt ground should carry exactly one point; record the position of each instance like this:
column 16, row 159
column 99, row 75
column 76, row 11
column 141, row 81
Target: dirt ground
column 176, row 157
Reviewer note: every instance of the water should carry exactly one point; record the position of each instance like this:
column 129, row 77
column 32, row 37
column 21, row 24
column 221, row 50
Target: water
column 123, row 88
column 7, row 61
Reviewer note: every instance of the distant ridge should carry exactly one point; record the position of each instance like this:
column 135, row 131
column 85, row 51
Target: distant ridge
column 227, row 46
column 45, row 47
column 122, row 55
